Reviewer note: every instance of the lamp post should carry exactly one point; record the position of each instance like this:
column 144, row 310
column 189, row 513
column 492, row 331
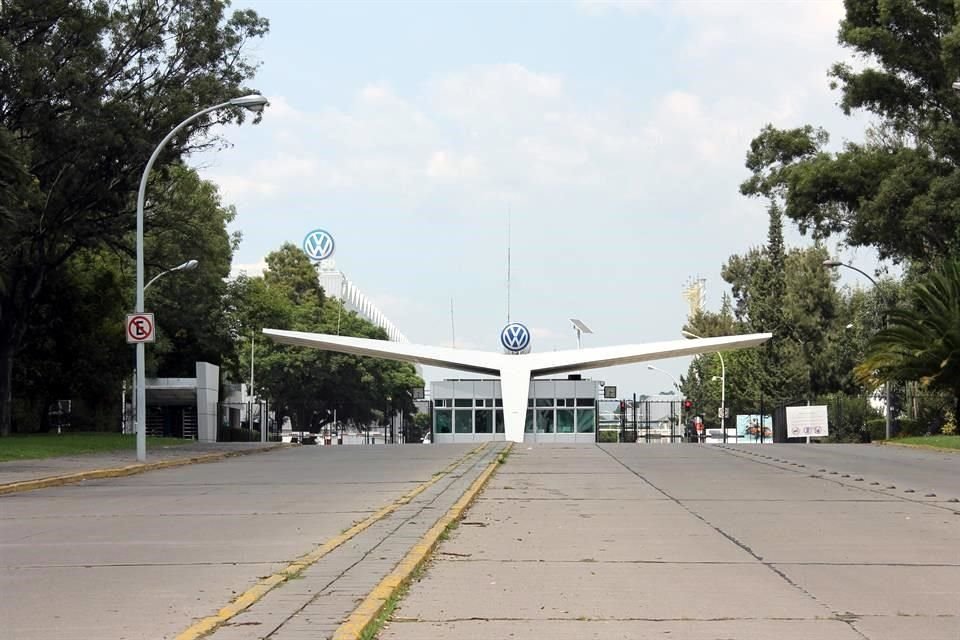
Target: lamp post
column 835, row 264
column 679, row 392
column 723, row 387
column 254, row 103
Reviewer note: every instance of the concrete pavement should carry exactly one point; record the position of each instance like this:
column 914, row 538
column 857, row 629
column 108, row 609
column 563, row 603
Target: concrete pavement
column 30, row 474
column 144, row 556
column 614, row 541
column 699, row 542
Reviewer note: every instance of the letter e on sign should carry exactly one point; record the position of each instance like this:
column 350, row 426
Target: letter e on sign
column 140, row 328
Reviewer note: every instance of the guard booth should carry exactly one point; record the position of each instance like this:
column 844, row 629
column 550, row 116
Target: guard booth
column 558, row 411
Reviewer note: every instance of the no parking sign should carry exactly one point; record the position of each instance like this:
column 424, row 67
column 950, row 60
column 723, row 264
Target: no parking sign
column 140, row 328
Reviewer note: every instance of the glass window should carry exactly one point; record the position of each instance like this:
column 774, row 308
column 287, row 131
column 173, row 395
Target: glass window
column 585, row 402
column 544, row 420
column 571, row 402
column 564, row 420
column 544, row 402
column 529, row 402
column 463, row 402
column 438, row 403
column 463, row 421
column 484, row 421
column 488, row 402
column 586, row 420
column 443, row 420
column 479, row 402
column 499, row 413
column 528, row 423
column 498, row 402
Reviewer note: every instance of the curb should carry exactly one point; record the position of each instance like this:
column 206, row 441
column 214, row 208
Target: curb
column 209, row 624
column 129, row 470
column 366, row 614
column 921, row 447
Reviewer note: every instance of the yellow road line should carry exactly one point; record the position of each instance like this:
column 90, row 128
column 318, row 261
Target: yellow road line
column 265, row 585
column 365, row 614
column 129, row 470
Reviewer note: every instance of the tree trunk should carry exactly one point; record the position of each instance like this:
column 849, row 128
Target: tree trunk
column 6, row 388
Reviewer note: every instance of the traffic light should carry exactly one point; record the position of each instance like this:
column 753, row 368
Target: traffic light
column 688, row 404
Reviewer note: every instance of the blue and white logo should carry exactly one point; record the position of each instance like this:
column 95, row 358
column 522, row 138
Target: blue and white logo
column 318, row 245
column 515, row 337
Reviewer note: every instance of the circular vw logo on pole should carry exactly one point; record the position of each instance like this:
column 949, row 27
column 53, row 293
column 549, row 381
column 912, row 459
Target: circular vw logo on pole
column 515, row 337
column 318, row 245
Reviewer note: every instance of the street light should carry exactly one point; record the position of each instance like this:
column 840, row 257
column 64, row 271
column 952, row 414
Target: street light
column 834, row 264
column 723, row 386
column 679, row 392
column 254, row 103
column 189, row 265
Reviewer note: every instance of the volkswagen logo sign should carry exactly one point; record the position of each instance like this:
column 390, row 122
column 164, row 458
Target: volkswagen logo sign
column 515, row 337
column 318, row 245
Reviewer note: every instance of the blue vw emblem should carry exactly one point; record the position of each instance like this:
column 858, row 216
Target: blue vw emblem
column 515, row 337
column 318, row 245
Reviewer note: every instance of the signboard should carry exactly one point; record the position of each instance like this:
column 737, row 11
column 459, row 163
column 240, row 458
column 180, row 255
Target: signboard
column 807, row 422
column 318, row 245
column 748, row 429
column 140, row 328
column 515, row 337
column 609, row 392
column 418, row 393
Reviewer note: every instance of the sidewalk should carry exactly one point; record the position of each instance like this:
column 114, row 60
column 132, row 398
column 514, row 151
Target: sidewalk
column 22, row 475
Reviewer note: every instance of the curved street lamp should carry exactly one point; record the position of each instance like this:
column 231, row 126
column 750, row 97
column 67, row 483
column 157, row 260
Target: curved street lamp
column 834, row 264
column 679, row 393
column 723, row 386
column 254, row 103
column 189, row 265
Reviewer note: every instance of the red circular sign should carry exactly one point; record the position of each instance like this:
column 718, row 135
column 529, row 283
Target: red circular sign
column 140, row 327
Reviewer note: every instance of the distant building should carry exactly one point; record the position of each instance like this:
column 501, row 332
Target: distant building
column 336, row 285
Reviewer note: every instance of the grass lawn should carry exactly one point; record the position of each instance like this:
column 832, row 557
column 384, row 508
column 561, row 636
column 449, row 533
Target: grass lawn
column 940, row 442
column 48, row 445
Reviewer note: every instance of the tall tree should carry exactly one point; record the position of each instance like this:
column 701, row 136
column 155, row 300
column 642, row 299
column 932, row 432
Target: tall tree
column 899, row 189
column 87, row 90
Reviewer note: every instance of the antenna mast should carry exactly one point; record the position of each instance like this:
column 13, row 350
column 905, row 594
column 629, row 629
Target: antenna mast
column 508, row 266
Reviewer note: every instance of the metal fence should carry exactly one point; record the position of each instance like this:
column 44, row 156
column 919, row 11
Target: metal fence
column 639, row 420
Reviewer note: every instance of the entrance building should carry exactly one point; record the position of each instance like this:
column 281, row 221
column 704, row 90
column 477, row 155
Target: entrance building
column 562, row 410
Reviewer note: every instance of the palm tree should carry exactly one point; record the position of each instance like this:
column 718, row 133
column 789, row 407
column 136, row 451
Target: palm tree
column 921, row 342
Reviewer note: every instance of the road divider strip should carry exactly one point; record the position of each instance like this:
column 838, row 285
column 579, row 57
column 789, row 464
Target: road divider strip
column 129, row 470
column 366, row 614
column 209, row 624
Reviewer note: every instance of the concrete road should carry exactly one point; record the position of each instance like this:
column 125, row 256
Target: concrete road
column 141, row 557
column 700, row 542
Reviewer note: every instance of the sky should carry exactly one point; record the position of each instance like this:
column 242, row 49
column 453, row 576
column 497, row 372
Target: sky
column 606, row 138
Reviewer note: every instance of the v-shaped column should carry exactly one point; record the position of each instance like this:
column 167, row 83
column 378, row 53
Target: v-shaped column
column 515, row 389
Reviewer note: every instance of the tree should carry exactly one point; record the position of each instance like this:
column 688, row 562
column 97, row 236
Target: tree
column 921, row 341
column 306, row 383
column 87, row 90
column 898, row 190
column 77, row 349
column 189, row 306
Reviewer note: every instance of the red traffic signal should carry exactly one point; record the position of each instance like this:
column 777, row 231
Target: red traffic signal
column 688, row 404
